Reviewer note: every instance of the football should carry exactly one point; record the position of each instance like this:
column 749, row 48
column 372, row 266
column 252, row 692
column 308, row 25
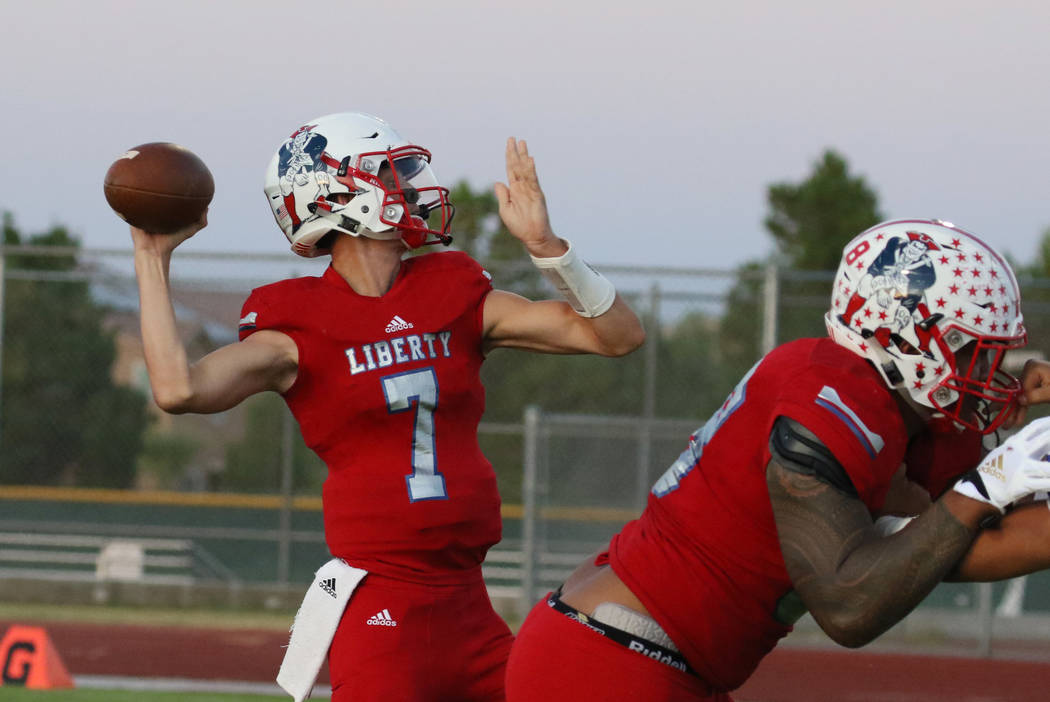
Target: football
column 159, row 187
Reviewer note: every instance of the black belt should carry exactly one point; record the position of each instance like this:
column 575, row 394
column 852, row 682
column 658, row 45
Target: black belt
column 624, row 638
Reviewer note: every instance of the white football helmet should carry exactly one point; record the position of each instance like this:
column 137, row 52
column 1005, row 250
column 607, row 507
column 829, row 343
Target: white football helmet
column 935, row 309
column 352, row 153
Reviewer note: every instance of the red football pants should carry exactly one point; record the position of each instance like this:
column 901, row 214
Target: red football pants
column 408, row 642
column 556, row 659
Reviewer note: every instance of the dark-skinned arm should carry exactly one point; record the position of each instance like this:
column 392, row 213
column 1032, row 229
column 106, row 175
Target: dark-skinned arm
column 1018, row 545
column 855, row 582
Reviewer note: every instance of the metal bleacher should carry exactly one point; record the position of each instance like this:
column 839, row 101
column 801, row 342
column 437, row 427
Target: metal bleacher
column 79, row 557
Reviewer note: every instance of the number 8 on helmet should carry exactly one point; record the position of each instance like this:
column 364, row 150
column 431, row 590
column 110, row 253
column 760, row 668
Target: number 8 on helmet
column 935, row 309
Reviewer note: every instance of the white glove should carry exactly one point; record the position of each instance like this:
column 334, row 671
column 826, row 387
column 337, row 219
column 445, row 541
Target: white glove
column 1014, row 470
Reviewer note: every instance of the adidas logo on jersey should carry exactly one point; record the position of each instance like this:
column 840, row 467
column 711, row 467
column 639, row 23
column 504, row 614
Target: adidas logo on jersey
column 328, row 586
column 397, row 324
column 382, row 619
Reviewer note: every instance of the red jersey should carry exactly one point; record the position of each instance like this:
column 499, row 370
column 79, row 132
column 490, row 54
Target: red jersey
column 704, row 557
column 388, row 395
column 937, row 458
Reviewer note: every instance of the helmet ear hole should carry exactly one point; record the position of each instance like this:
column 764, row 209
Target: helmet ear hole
column 904, row 346
column 892, row 373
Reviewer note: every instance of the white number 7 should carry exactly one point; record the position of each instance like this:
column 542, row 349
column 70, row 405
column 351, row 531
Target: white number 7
column 418, row 389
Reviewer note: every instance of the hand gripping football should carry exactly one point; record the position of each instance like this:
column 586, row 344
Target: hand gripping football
column 159, row 187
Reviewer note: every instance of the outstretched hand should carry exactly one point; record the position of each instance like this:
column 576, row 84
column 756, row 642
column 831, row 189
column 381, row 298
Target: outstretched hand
column 522, row 205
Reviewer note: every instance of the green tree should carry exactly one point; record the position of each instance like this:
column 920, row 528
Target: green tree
column 254, row 464
column 810, row 223
column 62, row 419
column 165, row 457
column 1041, row 267
column 1034, row 279
column 515, row 379
column 478, row 231
column 692, row 380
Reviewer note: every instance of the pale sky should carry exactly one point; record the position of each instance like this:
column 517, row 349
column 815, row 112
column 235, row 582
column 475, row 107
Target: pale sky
column 656, row 125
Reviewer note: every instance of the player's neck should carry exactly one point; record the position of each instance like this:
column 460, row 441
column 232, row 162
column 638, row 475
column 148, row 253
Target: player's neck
column 915, row 416
column 369, row 266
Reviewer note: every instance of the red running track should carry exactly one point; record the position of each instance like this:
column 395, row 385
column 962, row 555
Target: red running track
column 789, row 674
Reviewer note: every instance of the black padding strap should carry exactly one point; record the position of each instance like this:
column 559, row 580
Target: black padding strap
column 798, row 449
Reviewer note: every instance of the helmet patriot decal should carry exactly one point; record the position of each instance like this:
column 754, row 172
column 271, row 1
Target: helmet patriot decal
column 298, row 164
column 896, row 281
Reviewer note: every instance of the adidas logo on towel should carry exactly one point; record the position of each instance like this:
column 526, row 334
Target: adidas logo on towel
column 328, row 586
column 381, row 619
column 398, row 324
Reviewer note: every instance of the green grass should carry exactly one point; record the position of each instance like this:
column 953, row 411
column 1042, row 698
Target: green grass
column 221, row 619
column 14, row 694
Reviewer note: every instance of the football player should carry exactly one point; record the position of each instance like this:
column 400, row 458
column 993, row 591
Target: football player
column 776, row 506
column 379, row 359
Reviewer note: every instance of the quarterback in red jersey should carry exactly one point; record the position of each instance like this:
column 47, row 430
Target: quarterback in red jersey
column 379, row 361
column 773, row 509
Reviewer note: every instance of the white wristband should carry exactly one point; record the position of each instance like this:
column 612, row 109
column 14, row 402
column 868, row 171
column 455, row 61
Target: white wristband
column 588, row 292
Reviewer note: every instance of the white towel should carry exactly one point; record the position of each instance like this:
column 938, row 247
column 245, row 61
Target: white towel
column 315, row 625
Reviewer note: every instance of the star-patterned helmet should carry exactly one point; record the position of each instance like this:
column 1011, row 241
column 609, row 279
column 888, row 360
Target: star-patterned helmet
column 935, row 309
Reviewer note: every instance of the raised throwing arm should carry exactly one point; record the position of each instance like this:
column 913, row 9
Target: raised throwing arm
column 267, row 360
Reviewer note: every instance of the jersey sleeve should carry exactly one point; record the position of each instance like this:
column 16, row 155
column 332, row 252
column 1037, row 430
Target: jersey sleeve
column 857, row 422
column 481, row 286
column 278, row 307
column 274, row 307
column 258, row 312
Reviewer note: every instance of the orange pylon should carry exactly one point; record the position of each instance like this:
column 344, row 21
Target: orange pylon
column 28, row 658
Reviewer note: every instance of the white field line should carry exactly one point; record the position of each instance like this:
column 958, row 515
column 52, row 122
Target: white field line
column 117, row 682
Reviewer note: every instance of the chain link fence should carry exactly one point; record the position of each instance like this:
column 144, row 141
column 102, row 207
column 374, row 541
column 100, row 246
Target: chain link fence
column 236, row 494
